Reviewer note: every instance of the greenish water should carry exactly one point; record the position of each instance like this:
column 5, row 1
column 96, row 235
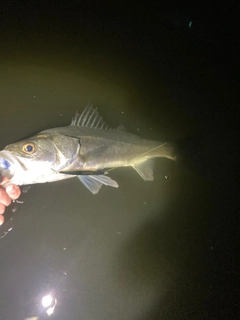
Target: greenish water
column 147, row 250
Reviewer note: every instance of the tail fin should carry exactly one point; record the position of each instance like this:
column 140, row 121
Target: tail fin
column 188, row 152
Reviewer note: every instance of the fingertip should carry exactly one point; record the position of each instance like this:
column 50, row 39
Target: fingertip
column 1, row 219
column 10, row 188
column 13, row 191
column 2, row 208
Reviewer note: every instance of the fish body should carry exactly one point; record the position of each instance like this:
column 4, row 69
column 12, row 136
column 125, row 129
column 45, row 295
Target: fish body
column 87, row 149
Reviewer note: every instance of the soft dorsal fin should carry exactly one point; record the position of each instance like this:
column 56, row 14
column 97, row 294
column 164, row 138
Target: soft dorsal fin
column 89, row 118
column 121, row 128
column 145, row 169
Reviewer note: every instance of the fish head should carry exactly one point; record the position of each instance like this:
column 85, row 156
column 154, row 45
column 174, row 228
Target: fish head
column 28, row 161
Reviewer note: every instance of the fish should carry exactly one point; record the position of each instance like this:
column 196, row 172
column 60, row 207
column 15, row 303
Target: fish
column 87, row 149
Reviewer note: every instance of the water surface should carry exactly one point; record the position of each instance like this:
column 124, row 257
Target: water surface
column 147, row 250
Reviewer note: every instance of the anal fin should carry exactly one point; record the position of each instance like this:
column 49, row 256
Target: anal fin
column 145, row 169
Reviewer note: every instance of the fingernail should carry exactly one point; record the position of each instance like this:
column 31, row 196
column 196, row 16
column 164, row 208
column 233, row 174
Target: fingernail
column 10, row 189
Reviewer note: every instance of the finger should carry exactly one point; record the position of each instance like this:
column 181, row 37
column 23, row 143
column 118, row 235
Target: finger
column 13, row 191
column 4, row 179
column 4, row 198
column 1, row 219
column 2, row 208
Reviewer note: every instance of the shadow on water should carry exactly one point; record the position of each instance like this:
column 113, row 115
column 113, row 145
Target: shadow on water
column 182, row 266
column 166, row 262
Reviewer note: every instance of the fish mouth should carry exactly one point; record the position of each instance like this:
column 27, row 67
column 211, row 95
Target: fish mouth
column 7, row 166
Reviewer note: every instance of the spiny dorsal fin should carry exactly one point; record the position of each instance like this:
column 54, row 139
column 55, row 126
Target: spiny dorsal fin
column 89, row 118
column 145, row 169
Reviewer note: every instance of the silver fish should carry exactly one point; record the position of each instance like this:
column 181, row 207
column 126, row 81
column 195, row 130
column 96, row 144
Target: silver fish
column 87, row 149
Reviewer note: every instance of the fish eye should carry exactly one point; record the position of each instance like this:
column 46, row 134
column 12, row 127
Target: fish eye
column 29, row 148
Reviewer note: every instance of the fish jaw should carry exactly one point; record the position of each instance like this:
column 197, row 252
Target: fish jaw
column 8, row 164
column 22, row 171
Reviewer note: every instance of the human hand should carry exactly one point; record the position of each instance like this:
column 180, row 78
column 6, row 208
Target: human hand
column 12, row 192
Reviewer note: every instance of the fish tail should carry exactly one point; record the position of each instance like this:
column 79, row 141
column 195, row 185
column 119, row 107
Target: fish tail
column 187, row 152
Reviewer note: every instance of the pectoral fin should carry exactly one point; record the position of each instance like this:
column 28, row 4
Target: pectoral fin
column 87, row 160
column 94, row 183
column 94, row 154
column 82, row 173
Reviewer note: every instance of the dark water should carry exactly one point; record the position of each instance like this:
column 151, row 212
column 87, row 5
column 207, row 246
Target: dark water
column 148, row 250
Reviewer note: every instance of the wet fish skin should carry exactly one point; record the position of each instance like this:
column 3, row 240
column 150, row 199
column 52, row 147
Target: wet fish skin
column 87, row 145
